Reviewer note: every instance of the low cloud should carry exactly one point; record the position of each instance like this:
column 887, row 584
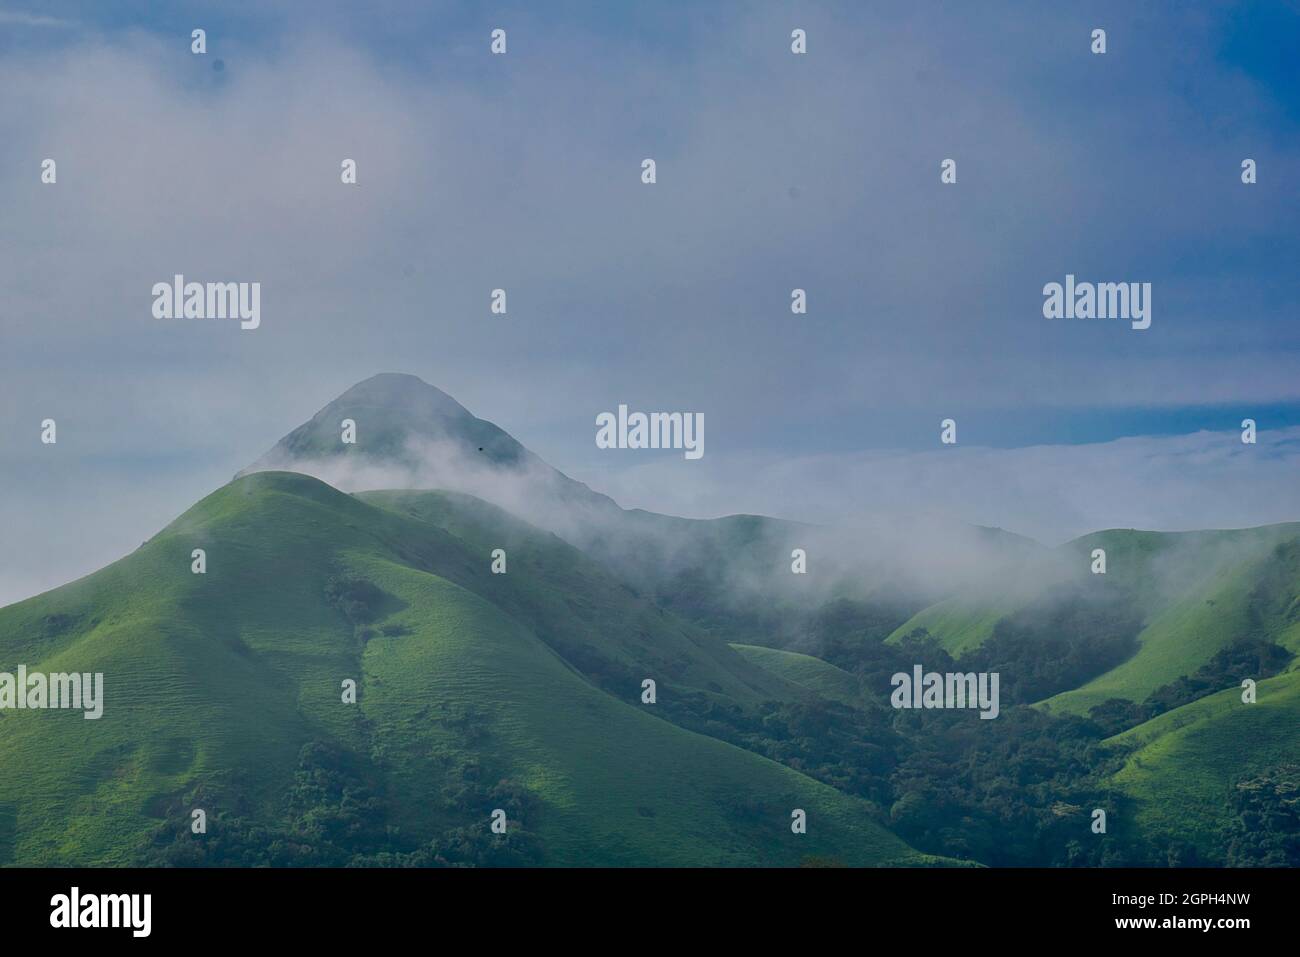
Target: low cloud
column 1050, row 493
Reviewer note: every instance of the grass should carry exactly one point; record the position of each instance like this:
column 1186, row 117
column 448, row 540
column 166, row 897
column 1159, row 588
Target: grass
column 1197, row 592
column 816, row 675
column 1245, row 585
column 231, row 672
column 957, row 624
column 1181, row 772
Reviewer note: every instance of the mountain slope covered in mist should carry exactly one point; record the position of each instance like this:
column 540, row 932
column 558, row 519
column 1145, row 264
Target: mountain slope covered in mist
column 1192, row 594
column 409, row 434
column 731, row 575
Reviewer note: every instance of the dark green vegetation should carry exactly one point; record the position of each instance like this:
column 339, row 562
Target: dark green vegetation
column 1179, row 788
column 522, row 691
column 1176, row 625
column 1249, row 658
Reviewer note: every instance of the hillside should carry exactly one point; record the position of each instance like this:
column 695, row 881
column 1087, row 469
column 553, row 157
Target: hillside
column 1181, row 774
column 220, row 687
column 596, row 622
column 1199, row 592
column 812, row 673
column 1193, row 594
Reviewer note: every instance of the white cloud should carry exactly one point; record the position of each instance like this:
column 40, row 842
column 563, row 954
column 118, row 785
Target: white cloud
column 1050, row 492
column 21, row 19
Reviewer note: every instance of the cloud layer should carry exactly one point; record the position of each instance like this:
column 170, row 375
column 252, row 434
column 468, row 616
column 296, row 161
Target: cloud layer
column 1051, row 493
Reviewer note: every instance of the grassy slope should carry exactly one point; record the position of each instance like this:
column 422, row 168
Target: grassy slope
column 1242, row 587
column 1181, row 774
column 233, row 671
column 1197, row 591
column 958, row 625
column 580, row 609
column 966, row 620
column 619, row 785
column 192, row 688
column 818, row 676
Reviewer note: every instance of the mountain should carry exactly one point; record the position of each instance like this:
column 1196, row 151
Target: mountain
column 630, row 688
column 222, row 691
column 409, row 434
column 730, row 575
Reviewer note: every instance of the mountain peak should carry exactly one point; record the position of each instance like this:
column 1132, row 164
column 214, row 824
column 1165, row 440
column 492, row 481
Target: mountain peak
column 404, row 391
column 404, row 433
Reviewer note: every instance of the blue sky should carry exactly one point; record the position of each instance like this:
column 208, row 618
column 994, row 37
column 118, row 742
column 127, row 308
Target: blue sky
column 775, row 171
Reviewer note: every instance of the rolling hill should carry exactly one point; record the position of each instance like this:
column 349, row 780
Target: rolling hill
column 521, row 691
column 1184, row 765
column 1193, row 592
column 216, row 683
column 818, row 676
column 1199, row 592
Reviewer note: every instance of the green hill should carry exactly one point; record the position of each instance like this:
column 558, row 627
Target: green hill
column 812, row 673
column 958, row 624
column 596, row 622
column 1194, row 593
column 1181, row 775
column 1015, row 570
column 1200, row 591
column 219, row 687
